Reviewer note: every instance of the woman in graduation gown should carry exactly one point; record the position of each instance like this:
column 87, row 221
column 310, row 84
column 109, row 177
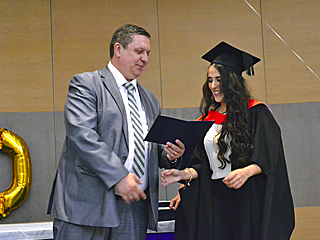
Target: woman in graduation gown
column 237, row 185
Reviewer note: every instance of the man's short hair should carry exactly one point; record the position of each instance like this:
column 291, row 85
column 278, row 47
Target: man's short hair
column 124, row 36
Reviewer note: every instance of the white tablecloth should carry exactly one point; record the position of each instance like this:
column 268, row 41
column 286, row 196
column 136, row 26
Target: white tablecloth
column 43, row 230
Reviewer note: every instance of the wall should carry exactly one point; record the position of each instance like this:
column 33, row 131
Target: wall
column 44, row 43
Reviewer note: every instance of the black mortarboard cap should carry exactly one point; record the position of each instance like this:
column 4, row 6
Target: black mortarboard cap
column 228, row 55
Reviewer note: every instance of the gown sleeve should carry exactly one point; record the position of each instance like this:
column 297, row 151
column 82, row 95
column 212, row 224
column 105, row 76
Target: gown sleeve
column 186, row 216
column 278, row 211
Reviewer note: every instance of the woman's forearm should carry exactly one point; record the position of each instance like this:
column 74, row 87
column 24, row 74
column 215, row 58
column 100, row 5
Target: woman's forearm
column 252, row 170
column 188, row 173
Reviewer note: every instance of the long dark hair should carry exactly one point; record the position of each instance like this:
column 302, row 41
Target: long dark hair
column 234, row 132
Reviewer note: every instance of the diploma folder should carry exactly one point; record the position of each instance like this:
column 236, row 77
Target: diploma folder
column 167, row 129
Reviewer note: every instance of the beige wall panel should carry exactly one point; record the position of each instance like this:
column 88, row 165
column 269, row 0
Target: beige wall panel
column 307, row 224
column 188, row 29
column 298, row 24
column 25, row 62
column 81, row 35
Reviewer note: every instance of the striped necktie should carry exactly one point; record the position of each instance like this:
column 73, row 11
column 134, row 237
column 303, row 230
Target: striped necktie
column 139, row 155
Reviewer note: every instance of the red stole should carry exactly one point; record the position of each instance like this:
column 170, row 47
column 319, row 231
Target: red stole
column 219, row 118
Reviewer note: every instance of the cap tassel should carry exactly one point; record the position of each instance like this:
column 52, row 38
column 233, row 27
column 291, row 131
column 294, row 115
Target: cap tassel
column 248, row 63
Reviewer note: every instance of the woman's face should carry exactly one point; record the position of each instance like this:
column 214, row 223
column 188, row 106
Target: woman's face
column 214, row 79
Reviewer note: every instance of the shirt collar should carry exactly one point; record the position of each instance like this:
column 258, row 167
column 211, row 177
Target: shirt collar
column 120, row 79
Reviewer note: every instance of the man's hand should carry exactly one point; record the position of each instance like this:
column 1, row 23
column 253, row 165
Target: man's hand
column 128, row 189
column 173, row 151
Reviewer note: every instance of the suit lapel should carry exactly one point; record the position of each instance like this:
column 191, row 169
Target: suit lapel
column 112, row 87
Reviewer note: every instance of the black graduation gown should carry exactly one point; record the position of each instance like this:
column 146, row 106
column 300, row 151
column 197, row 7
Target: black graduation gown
column 261, row 209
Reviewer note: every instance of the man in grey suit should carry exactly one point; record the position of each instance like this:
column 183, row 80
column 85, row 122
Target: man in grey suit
column 95, row 194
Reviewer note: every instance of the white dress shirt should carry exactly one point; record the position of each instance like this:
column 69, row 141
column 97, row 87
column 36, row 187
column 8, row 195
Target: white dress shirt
column 120, row 79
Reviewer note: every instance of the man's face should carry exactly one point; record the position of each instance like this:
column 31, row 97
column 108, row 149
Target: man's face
column 133, row 59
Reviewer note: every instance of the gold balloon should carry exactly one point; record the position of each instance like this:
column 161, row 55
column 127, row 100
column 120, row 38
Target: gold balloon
column 20, row 186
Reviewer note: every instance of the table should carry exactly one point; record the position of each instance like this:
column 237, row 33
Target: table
column 43, row 230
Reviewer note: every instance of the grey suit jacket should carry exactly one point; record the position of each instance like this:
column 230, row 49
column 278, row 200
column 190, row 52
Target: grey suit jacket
column 95, row 150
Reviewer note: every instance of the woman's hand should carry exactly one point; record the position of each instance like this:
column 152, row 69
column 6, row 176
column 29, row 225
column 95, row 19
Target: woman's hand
column 174, row 203
column 238, row 177
column 170, row 176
